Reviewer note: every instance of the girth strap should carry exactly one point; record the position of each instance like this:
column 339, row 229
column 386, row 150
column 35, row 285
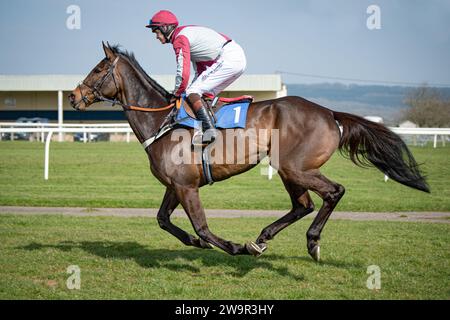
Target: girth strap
column 206, row 164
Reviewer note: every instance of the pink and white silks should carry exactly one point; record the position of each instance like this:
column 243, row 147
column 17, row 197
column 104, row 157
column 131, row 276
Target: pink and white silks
column 218, row 61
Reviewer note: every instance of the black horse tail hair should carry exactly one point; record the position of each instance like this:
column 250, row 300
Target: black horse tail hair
column 366, row 142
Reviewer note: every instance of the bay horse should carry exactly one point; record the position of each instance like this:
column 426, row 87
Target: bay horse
column 308, row 136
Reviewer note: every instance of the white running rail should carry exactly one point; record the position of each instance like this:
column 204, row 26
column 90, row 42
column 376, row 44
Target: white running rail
column 89, row 128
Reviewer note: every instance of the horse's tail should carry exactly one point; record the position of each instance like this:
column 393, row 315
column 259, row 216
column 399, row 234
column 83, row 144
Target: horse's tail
column 366, row 142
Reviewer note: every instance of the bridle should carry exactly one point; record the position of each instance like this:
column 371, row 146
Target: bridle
column 99, row 97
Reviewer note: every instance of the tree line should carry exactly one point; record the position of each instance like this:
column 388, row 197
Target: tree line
column 427, row 107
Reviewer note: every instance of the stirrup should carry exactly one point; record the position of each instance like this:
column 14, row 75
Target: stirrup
column 210, row 134
column 198, row 137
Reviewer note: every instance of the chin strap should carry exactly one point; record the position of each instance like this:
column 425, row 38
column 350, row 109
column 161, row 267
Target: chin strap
column 168, row 32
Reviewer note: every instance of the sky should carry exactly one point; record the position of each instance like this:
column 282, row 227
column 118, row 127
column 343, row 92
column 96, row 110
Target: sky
column 329, row 40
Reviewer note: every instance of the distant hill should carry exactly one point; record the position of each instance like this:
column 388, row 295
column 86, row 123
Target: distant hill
column 364, row 100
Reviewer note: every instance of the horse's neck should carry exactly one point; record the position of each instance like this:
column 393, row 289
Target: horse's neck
column 136, row 91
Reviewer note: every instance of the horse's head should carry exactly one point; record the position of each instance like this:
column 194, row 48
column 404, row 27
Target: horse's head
column 100, row 83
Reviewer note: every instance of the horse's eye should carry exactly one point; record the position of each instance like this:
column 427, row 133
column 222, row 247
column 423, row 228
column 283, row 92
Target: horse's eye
column 97, row 70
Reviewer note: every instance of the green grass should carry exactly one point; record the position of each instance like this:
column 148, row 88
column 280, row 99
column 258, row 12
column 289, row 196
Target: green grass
column 118, row 175
column 132, row 258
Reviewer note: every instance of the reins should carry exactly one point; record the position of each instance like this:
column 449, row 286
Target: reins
column 150, row 109
column 136, row 108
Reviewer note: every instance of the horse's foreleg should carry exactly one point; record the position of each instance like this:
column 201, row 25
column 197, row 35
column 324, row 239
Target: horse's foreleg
column 170, row 202
column 190, row 200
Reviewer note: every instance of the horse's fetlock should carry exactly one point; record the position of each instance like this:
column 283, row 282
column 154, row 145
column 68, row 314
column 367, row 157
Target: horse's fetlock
column 202, row 233
column 266, row 235
column 312, row 235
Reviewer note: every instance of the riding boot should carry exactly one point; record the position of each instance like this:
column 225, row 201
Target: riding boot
column 209, row 132
column 204, row 116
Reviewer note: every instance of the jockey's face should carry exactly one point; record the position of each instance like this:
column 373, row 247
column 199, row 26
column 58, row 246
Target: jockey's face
column 160, row 36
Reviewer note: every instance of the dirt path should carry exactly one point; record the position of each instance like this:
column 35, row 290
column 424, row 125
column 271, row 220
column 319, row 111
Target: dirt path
column 438, row 217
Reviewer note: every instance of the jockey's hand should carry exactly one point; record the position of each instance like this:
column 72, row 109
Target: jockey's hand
column 173, row 99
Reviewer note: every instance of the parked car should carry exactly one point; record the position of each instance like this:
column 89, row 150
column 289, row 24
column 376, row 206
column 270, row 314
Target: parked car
column 24, row 135
column 32, row 120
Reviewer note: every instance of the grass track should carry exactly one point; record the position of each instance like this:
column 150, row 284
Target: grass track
column 131, row 258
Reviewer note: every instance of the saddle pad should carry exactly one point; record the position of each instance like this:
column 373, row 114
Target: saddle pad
column 229, row 116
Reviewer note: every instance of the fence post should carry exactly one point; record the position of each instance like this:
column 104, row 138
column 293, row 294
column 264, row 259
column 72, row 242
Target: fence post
column 84, row 135
column 270, row 172
column 60, row 114
column 47, row 153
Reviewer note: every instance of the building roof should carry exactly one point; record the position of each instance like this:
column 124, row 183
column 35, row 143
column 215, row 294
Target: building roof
column 260, row 82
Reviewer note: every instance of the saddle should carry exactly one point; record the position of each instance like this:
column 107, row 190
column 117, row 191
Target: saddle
column 231, row 113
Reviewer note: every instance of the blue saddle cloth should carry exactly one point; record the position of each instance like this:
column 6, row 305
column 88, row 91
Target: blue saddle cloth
column 229, row 116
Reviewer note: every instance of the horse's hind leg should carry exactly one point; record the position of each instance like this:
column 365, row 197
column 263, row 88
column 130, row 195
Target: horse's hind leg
column 170, row 202
column 302, row 205
column 331, row 193
column 190, row 200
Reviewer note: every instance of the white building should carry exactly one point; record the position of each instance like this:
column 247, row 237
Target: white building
column 408, row 124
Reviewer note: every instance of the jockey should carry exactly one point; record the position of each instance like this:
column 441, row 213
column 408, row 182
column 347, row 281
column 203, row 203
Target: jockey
column 217, row 60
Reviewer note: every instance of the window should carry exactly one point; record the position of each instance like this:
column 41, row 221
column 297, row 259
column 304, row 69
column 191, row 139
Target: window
column 10, row 102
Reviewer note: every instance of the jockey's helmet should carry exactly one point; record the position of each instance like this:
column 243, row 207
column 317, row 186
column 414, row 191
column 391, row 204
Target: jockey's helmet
column 165, row 21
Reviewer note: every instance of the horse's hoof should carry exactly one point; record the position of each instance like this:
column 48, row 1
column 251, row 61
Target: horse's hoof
column 315, row 253
column 255, row 249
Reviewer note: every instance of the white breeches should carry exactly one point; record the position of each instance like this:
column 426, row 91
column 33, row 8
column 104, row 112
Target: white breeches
column 229, row 66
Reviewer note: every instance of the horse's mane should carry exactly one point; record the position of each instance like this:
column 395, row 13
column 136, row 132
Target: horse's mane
column 131, row 58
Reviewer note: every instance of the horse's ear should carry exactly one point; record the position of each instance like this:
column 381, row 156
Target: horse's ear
column 108, row 52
